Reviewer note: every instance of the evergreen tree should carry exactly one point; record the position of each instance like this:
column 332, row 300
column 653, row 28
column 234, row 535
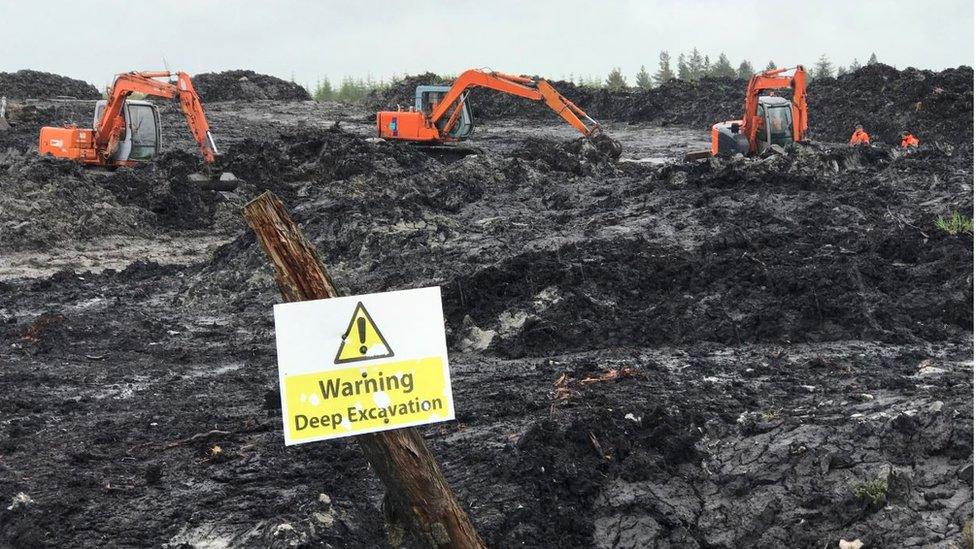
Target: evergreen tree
column 873, row 60
column 643, row 79
column 616, row 80
column 347, row 90
column 745, row 70
column 723, row 67
column 324, row 91
column 824, row 68
column 684, row 73
column 841, row 70
column 771, row 66
column 706, row 69
column 855, row 64
column 664, row 72
column 695, row 65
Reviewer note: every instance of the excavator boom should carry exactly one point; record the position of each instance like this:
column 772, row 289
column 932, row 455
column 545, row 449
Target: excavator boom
column 437, row 125
column 111, row 126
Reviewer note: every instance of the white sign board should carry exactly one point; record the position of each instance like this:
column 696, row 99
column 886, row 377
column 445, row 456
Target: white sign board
column 361, row 364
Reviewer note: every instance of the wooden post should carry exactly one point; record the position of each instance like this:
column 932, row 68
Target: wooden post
column 417, row 494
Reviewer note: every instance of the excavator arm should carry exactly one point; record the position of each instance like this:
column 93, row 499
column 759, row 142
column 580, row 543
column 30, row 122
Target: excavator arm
column 437, row 127
column 111, row 126
column 567, row 109
column 535, row 90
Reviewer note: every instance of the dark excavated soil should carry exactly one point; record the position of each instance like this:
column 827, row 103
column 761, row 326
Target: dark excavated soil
column 25, row 84
column 932, row 105
column 246, row 85
column 713, row 354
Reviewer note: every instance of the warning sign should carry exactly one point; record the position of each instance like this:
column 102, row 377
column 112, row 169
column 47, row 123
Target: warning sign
column 361, row 364
column 362, row 340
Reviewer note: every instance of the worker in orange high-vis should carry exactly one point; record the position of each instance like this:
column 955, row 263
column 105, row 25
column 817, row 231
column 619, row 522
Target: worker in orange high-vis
column 860, row 136
column 908, row 140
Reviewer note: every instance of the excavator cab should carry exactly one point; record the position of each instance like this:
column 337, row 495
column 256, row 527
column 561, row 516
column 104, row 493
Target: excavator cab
column 143, row 132
column 426, row 99
column 774, row 126
column 768, row 119
column 775, row 123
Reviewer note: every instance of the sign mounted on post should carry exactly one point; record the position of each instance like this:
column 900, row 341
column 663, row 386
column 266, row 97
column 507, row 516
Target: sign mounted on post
column 361, row 364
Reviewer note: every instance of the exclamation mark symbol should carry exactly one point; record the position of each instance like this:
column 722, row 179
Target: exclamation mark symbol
column 361, row 325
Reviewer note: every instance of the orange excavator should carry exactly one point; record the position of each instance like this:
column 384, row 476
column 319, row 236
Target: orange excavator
column 127, row 131
column 440, row 113
column 768, row 119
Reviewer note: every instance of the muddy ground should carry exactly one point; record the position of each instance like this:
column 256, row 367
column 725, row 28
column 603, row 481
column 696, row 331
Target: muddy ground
column 771, row 352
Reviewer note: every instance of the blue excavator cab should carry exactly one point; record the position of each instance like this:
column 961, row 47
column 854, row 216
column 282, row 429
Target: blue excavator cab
column 427, row 97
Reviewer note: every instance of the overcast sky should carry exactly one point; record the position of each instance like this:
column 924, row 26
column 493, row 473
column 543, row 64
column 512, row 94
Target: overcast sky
column 95, row 39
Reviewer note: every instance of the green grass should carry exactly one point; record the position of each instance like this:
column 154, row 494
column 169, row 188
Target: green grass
column 955, row 224
column 770, row 415
column 873, row 491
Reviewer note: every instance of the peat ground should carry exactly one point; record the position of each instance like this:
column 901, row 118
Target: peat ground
column 747, row 352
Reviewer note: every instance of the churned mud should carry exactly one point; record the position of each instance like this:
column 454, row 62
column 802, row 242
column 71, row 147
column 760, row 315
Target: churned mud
column 771, row 352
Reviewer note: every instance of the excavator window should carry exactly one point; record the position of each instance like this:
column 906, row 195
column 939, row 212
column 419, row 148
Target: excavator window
column 780, row 121
column 774, row 125
column 99, row 108
column 761, row 125
column 141, row 140
column 144, row 131
column 426, row 100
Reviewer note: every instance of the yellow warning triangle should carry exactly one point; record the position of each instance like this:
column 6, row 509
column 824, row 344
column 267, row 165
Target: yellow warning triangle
column 362, row 340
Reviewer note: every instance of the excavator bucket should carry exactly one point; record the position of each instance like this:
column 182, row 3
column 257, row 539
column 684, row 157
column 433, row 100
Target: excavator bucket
column 606, row 144
column 225, row 181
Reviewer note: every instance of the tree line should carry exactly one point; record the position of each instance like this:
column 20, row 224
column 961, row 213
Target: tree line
column 694, row 66
column 349, row 90
column 690, row 67
column 825, row 69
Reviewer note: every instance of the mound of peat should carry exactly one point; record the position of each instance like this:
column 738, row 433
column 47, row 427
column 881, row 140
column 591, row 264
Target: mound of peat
column 935, row 106
column 28, row 84
column 246, row 85
column 47, row 202
column 557, row 249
